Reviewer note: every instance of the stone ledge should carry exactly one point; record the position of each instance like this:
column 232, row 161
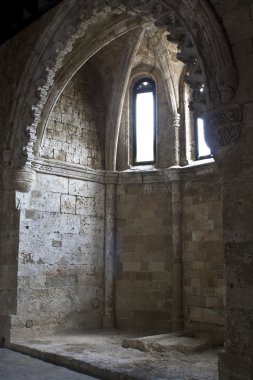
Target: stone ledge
column 64, row 169
column 166, row 175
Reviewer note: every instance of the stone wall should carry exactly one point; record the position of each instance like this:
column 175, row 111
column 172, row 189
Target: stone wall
column 14, row 54
column 237, row 163
column 60, row 274
column 144, row 249
column 144, row 256
column 75, row 132
column 202, row 248
column 60, row 277
column 9, row 224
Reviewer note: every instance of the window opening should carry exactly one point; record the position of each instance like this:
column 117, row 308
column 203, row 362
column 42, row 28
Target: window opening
column 202, row 149
column 144, row 122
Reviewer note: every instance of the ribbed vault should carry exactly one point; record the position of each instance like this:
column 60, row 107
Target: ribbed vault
column 68, row 42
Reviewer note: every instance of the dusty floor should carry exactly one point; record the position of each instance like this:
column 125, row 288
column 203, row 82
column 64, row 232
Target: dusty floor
column 16, row 366
column 100, row 353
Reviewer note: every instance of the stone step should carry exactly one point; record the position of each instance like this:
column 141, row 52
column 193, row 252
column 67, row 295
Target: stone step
column 183, row 341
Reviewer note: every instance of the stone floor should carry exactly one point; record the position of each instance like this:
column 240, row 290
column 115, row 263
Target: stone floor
column 117, row 355
column 16, row 366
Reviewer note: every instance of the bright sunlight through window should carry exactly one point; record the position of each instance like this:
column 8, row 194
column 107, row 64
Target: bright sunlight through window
column 203, row 149
column 144, row 122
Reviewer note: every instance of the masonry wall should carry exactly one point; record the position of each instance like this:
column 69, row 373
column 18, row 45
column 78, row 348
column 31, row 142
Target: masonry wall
column 61, row 233
column 237, row 163
column 14, row 54
column 75, row 132
column 202, row 248
column 9, row 224
column 60, row 274
column 144, row 256
column 144, row 250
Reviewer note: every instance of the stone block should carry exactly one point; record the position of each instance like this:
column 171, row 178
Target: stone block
column 156, row 266
column 59, row 155
column 213, row 302
column 235, row 366
column 244, row 65
column 85, row 189
column 51, row 184
column 234, row 20
column 47, row 201
column 223, row 7
column 197, row 300
column 30, row 214
column 92, row 225
column 56, row 243
column 198, row 265
column 68, row 204
column 207, row 292
column 60, row 281
column 131, row 266
column 195, row 283
column 205, row 315
column 129, row 276
column 243, row 48
column 85, row 205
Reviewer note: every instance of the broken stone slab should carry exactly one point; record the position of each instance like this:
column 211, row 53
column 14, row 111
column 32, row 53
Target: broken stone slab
column 185, row 345
column 183, row 341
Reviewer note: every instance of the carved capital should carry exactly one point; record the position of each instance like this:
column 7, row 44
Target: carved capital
column 223, row 125
column 19, row 179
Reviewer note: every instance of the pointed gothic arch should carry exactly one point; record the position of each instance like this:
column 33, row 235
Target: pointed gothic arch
column 192, row 24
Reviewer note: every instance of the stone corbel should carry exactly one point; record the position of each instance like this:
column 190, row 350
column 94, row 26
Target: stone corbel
column 223, row 125
column 19, row 179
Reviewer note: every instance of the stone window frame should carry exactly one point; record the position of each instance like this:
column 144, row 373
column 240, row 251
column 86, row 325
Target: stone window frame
column 135, row 85
column 137, row 75
column 189, row 143
column 195, row 118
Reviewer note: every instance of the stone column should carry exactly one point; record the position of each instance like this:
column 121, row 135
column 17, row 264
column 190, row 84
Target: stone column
column 234, row 158
column 189, row 135
column 177, row 276
column 109, row 284
column 174, row 125
column 15, row 181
